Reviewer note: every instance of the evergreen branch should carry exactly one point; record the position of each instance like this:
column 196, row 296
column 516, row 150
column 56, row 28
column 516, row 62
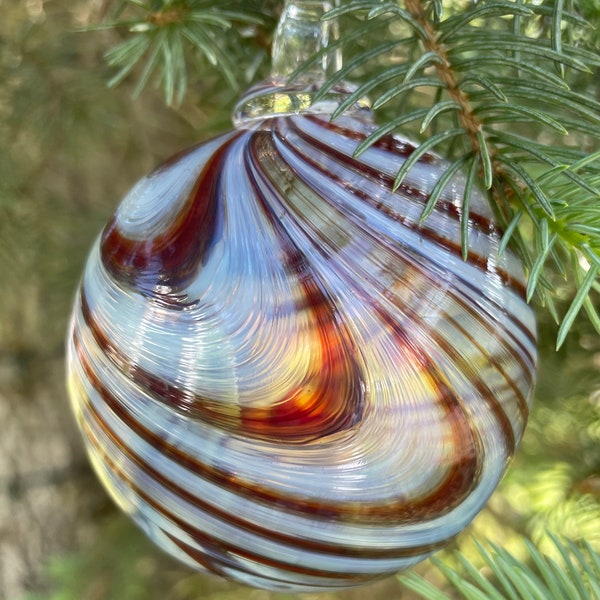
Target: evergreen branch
column 484, row 83
column 474, row 44
column 464, row 216
column 386, row 129
column 407, row 86
column 528, row 149
column 546, row 244
column 375, row 82
column 405, row 15
column 523, row 175
column 441, row 184
column 556, row 39
column 421, row 150
column 493, row 80
column 493, row 61
column 435, row 110
column 421, row 586
column 581, row 297
column 171, row 35
column 359, row 93
column 509, row 232
column 362, row 59
column 490, row 9
column 576, row 574
column 445, row 73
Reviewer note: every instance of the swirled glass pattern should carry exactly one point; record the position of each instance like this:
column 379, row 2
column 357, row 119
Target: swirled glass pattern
column 282, row 374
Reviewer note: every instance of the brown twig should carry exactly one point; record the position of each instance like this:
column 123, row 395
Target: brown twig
column 445, row 72
column 502, row 193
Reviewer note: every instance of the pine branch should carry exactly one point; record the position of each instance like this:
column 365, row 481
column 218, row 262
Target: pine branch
column 171, row 37
column 503, row 81
column 573, row 574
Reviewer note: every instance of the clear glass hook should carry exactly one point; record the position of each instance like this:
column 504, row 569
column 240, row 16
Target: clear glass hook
column 301, row 34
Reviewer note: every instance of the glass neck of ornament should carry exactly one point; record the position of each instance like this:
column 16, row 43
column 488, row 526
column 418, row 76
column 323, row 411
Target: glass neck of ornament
column 301, row 35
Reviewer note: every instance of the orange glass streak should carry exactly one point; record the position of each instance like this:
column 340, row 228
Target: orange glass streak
column 330, row 401
column 460, row 480
column 330, row 398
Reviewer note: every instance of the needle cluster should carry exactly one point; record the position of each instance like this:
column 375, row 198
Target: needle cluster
column 507, row 90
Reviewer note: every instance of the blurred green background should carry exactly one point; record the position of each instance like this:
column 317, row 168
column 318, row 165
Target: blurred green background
column 69, row 149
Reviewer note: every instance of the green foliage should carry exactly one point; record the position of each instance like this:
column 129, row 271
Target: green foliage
column 507, row 91
column 171, row 37
column 574, row 574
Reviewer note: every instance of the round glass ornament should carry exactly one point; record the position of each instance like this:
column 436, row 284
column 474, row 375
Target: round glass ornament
column 280, row 373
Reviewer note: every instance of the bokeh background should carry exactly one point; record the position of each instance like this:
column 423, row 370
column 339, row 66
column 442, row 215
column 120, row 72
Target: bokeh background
column 70, row 148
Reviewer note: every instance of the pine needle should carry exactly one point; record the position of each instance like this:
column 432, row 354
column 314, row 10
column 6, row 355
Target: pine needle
column 577, row 577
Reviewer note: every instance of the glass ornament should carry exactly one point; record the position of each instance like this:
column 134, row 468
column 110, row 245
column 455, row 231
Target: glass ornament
column 280, row 373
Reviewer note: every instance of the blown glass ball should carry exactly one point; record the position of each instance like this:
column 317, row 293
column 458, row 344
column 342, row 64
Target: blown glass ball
column 282, row 374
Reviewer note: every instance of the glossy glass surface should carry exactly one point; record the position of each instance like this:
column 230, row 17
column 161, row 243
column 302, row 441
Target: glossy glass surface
column 283, row 375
